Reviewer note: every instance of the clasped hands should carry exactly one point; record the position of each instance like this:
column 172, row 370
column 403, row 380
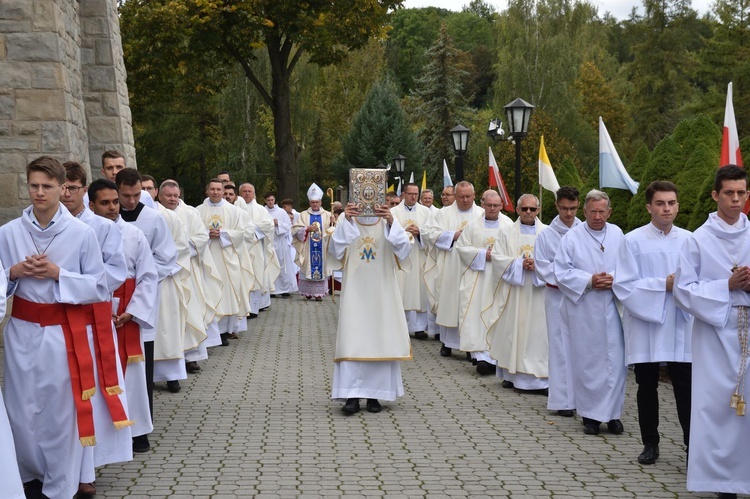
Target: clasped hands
column 740, row 279
column 602, row 281
column 35, row 266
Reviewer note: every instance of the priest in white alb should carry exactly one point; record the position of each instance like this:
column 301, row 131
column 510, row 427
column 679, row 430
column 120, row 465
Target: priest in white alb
column 518, row 338
column 286, row 282
column 480, row 281
column 413, row 217
column 372, row 336
column 560, row 391
column 308, row 238
column 712, row 282
column 584, row 269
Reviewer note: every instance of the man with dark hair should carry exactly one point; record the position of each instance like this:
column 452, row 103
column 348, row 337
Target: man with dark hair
column 224, row 177
column 54, row 265
column 560, row 392
column 149, row 185
column 230, row 192
column 163, row 249
column 112, row 163
column 712, row 282
column 656, row 331
column 448, row 196
column 392, row 199
column 584, row 271
column 132, row 306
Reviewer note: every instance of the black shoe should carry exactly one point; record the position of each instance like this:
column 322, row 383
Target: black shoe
column 591, row 428
column 373, row 405
column 351, row 407
column 484, row 368
column 566, row 413
column 85, row 490
column 264, row 308
column 225, row 339
column 252, row 315
column 274, row 296
column 437, row 337
column 615, row 427
column 469, row 359
column 141, row 444
column 174, row 386
column 541, row 391
column 285, row 295
column 445, row 351
column 649, row 455
column 420, row 335
column 727, row 495
column 507, row 384
column 192, row 367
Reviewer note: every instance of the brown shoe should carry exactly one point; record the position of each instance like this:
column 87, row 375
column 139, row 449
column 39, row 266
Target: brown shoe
column 86, row 489
column 233, row 336
column 192, row 367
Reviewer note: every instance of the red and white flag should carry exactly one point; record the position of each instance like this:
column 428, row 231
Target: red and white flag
column 730, row 141
column 497, row 181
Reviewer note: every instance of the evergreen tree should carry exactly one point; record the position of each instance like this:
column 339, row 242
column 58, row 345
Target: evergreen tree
column 379, row 132
column 439, row 102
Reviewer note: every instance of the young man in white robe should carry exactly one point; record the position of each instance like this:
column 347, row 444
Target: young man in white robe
column 518, row 339
column 286, row 282
column 230, row 233
column 443, row 266
column 712, row 282
column 266, row 263
column 560, row 392
column 132, row 307
column 203, row 275
column 584, row 269
column 163, row 249
column 309, row 241
column 413, row 217
column 656, row 331
column 372, row 337
column 480, row 280
column 112, row 162
column 52, row 261
column 9, row 476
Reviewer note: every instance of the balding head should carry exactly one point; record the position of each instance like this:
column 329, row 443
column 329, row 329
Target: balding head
column 247, row 192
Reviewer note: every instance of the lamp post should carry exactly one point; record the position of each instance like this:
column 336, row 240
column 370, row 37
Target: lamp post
column 460, row 139
column 519, row 115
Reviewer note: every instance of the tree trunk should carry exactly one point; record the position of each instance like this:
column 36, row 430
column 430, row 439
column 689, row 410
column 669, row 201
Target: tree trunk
column 285, row 154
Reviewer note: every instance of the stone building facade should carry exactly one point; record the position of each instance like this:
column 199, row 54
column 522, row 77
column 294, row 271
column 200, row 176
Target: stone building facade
column 62, row 89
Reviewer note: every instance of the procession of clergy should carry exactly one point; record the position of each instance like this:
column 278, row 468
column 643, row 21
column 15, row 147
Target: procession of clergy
column 112, row 292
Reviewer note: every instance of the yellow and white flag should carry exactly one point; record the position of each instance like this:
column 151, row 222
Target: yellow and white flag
column 547, row 177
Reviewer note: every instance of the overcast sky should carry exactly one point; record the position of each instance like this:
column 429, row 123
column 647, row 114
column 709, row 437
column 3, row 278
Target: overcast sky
column 619, row 8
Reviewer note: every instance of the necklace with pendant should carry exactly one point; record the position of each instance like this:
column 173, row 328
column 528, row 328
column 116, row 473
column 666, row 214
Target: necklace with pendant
column 601, row 243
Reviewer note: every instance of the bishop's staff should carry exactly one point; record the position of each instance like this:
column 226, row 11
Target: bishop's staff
column 329, row 191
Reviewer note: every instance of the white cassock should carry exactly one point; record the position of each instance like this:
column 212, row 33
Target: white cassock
column 286, row 282
column 411, row 285
column 232, row 260
column 719, row 439
column 9, row 476
column 141, row 268
column 372, row 336
column 596, row 341
column 174, row 333
column 478, row 282
column 518, row 339
column 655, row 329
column 309, row 284
column 205, row 281
column 265, row 261
column 443, row 269
column 38, row 395
column 560, row 366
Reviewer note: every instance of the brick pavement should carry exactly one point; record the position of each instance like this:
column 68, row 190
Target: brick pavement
column 258, row 420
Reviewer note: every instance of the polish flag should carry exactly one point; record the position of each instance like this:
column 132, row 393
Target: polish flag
column 730, row 141
column 497, row 181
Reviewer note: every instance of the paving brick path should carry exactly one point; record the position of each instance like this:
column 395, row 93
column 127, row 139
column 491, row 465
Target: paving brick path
column 258, row 420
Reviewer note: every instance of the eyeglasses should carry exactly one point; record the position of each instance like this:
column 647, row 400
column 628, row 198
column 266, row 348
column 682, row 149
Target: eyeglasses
column 528, row 208
column 73, row 189
column 46, row 188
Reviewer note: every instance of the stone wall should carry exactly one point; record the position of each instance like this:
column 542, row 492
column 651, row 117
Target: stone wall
column 62, row 89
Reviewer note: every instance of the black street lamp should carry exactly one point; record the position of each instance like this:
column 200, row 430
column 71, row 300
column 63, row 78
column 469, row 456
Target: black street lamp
column 519, row 115
column 460, row 139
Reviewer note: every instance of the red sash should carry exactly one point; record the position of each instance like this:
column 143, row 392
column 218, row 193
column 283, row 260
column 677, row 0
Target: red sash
column 129, row 335
column 73, row 319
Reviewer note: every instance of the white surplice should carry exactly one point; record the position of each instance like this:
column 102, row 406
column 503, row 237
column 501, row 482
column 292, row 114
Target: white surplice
column 655, row 329
column 518, row 338
column 719, row 439
column 596, row 340
column 38, row 395
column 265, row 261
column 412, row 285
column 443, row 268
column 372, row 336
column 560, row 376
column 479, row 283
column 9, row 476
column 286, row 281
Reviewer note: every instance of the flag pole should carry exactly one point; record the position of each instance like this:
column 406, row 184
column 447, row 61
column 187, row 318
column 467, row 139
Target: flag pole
column 540, row 202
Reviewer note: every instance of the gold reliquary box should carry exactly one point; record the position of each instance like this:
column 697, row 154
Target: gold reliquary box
column 367, row 188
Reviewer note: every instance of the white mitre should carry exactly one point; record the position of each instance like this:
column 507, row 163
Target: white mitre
column 315, row 193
